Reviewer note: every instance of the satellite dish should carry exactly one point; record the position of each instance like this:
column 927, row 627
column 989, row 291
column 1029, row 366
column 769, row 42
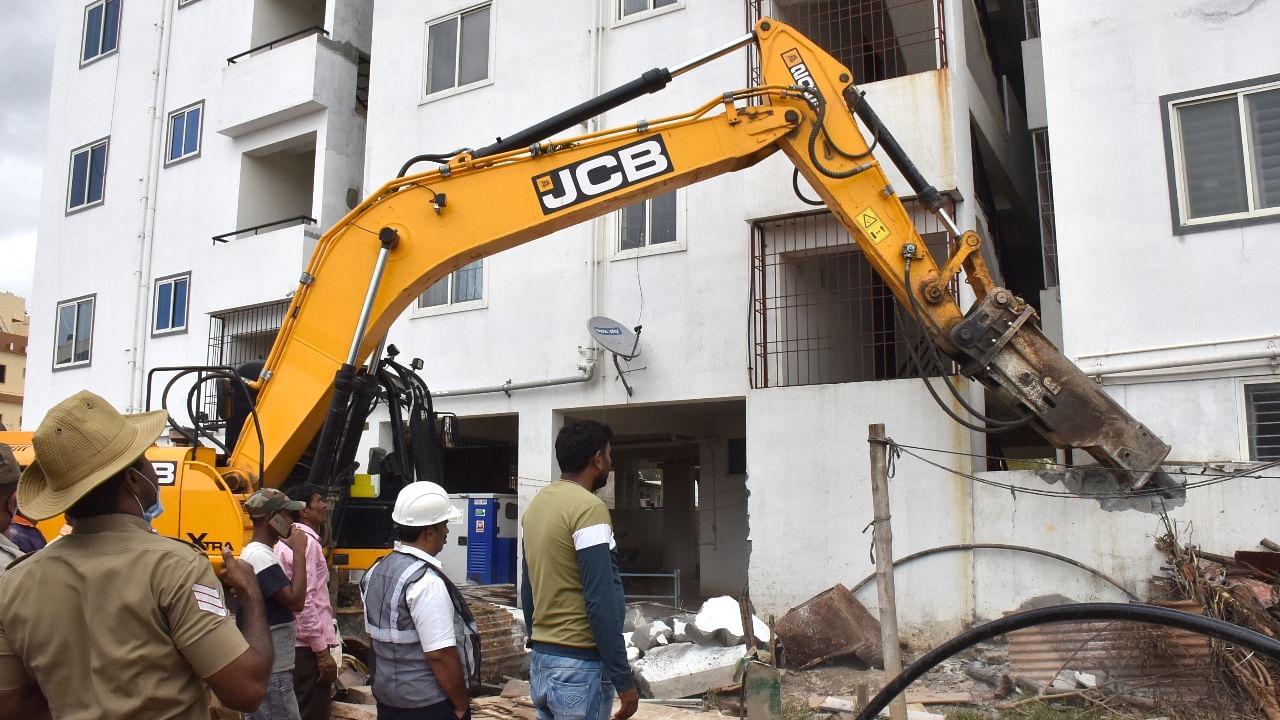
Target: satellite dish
column 614, row 337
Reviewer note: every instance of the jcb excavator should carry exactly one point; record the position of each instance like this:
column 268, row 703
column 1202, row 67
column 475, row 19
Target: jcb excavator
column 302, row 410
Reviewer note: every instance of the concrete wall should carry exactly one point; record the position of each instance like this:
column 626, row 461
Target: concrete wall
column 1106, row 66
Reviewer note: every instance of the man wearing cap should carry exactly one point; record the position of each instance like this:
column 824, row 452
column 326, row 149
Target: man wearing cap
column 9, row 474
column 314, row 668
column 114, row 621
column 270, row 511
column 426, row 651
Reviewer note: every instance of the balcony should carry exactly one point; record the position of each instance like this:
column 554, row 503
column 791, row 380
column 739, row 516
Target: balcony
column 254, row 267
column 292, row 76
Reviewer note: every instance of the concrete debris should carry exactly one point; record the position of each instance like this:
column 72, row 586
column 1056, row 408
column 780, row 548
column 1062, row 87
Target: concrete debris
column 829, row 625
column 360, row 695
column 685, row 670
column 516, row 688
column 633, row 654
column 352, row 711
column 678, row 633
column 628, row 638
column 651, row 634
column 633, row 619
column 719, row 622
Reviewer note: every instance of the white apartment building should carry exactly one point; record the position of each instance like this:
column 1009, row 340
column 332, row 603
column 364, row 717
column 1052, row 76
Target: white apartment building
column 767, row 344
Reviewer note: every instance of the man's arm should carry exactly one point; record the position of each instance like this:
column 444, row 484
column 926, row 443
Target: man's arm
column 448, row 671
column 294, row 595
column 526, row 599
column 602, row 593
column 242, row 683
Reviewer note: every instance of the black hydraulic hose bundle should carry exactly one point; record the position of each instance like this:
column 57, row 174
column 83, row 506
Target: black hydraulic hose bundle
column 1151, row 614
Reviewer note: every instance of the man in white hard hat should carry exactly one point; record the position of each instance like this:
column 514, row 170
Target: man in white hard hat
column 426, row 646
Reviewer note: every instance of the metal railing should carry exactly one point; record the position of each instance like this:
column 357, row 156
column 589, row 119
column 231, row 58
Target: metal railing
column 313, row 30
column 274, row 224
column 674, row 576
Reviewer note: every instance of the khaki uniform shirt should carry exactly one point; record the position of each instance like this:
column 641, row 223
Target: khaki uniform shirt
column 114, row 621
column 8, row 552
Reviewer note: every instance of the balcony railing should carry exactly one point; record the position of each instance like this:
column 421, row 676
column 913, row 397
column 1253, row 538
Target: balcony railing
column 273, row 225
column 313, row 30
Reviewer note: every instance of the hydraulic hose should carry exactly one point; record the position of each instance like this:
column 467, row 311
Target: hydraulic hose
column 1198, row 624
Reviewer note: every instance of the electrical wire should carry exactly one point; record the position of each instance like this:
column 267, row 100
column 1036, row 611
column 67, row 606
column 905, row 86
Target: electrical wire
column 1198, row 624
column 1160, row 491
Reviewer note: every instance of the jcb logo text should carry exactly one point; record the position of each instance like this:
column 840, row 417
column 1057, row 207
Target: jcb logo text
column 595, row 176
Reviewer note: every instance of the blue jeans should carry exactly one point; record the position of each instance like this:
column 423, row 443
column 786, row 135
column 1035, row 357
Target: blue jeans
column 280, row 702
column 566, row 688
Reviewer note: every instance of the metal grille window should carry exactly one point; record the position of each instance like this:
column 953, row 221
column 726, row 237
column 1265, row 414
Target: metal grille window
column 876, row 39
column 821, row 314
column 1262, row 404
column 240, row 336
column 458, row 50
column 463, row 287
column 1044, row 191
column 73, row 344
column 1033, row 18
column 1225, row 151
column 101, row 30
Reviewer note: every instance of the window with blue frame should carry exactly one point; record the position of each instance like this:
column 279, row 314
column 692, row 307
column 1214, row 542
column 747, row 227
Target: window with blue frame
column 88, row 176
column 184, row 133
column 170, row 313
column 101, row 30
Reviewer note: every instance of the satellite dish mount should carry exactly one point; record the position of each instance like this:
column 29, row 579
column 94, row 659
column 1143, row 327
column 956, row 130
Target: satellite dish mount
column 621, row 342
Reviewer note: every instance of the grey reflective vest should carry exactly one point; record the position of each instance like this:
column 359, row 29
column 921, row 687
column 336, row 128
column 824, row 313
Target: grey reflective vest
column 402, row 677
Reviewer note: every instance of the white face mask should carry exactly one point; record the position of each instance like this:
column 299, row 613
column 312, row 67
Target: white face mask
column 156, row 508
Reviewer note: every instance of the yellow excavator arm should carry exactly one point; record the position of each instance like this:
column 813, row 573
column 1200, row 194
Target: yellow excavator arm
column 418, row 228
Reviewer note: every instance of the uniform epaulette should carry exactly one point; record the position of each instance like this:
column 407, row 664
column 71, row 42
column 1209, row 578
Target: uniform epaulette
column 14, row 563
column 187, row 543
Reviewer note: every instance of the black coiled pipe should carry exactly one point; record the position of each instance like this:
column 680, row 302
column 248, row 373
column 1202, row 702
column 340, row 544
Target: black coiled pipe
column 1199, row 624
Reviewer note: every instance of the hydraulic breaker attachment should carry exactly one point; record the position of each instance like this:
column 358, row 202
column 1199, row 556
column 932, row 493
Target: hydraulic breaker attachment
column 1003, row 348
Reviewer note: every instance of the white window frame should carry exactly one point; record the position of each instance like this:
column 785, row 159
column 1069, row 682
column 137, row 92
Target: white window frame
column 84, row 30
column 168, row 136
column 105, row 143
column 679, row 245
column 1174, row 147
column 93, row 321
column 184, row 3
column 1242, row 397
column 619, row 19
column 454, row 307
column 170, row 280
column 426, row 97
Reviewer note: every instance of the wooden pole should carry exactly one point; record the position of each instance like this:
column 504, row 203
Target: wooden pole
column 883, row 538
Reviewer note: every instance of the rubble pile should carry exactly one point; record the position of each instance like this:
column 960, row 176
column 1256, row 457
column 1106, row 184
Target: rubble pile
column 1241, row 589
column 682, row 655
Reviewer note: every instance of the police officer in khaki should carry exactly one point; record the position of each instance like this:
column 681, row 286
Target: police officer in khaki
column 114, row 622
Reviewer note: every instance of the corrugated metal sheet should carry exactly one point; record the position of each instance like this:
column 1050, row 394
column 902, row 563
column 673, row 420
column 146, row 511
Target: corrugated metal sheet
column 1174, row 665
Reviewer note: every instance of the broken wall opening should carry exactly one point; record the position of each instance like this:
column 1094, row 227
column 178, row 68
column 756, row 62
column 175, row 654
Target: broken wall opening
column 677, row 496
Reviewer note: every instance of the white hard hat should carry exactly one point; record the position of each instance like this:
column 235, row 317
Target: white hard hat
column 423, row 503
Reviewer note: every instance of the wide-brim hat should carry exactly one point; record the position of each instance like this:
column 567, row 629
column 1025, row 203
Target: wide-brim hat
column 80, row 444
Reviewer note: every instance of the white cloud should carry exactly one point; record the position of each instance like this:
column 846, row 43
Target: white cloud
column 17, row 262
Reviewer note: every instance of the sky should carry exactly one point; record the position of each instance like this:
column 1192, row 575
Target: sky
column 26, row 55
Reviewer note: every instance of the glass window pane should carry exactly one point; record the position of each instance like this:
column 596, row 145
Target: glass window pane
column 97, row 172
column 662, row 218
column 79, row 178
column 84, row 330
column 111, row 26
column 475, row 47
column 1264, row 139
column 191, row 136
column 66, row 334
column 176, row 125
column 164, row 305
column 180, row 303
column 468, row 282
column 1213, row 158
column 663, row 3
column 92, row 33
column 442, row 54
column 630, row 7
column 633, row 227
column 435, row 295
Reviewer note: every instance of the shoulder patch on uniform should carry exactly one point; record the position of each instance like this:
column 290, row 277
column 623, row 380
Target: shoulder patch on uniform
column 209, row 599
